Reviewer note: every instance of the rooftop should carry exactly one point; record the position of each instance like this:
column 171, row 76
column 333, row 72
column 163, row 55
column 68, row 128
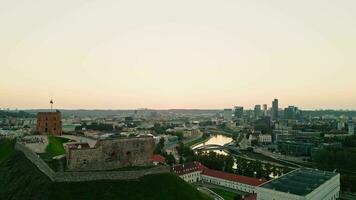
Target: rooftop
column 197, row 166
column 300, row 182
column 233, row 177
column 158, row 158
column 185, row 168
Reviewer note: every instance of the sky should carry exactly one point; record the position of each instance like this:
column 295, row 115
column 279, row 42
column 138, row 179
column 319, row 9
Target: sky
column 162, row 54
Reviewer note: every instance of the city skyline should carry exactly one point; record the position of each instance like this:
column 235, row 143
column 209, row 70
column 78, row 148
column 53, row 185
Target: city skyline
column 178, row 55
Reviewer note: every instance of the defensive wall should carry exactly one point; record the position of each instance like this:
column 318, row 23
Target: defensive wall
column 81, row 176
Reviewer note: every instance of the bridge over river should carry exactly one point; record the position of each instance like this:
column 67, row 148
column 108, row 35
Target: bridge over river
column 212, row 147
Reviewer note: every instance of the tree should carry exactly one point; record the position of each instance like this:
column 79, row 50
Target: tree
column 159, row 147
column 170, row 159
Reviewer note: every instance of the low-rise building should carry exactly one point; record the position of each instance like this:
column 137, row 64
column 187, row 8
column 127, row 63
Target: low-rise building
column 232, row 181
column 158, row 159
column 195, row 172
column 265, row 138
column 302, row 184
column 188, row 172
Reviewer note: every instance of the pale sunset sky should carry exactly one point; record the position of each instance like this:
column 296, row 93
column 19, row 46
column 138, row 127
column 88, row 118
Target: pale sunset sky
column 162, row 54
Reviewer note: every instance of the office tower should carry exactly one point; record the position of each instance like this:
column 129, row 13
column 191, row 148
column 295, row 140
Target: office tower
column 227, row 114
column 275, row 109
column 239, row 111
column 257, row 111
column 291, row 112
column 265, row 110
column 351, row 128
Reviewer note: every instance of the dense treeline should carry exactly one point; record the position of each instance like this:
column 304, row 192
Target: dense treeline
column 20, row 114
column 349, row 113
column 96, row 127
column 226, row 163
column 258, row 169
column 216, row 161
column 161, row 128
column 349, row 141
column 348, row 182
column 343, row 160
column 314, row 127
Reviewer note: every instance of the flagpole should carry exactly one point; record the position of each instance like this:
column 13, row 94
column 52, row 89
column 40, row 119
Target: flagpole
column 51, row 102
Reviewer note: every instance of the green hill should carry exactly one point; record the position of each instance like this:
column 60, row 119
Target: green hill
column 20, row 179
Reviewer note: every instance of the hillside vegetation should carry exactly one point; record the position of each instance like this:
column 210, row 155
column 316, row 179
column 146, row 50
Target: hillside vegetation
column 55, row 146
column 20, row 179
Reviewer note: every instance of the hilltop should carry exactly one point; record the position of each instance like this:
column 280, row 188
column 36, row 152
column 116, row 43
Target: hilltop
column 20, row 179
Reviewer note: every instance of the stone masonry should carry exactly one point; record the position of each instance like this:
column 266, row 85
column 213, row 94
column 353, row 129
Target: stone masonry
column 110, row 154
column 49, row 123
column 86, row 176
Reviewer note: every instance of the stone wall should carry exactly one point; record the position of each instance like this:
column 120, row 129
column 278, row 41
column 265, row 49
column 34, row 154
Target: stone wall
column 108, row 175
column 86, row 176
column 112, row 153
column 36, row 160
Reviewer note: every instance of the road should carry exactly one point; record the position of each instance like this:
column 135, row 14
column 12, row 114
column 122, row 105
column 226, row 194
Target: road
column 297, row 160
column 210, row 193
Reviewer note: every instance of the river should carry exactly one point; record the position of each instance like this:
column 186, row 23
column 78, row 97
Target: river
column 217, row 139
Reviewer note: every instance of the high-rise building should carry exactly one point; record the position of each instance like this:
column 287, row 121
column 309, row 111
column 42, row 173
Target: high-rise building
column 340, row 125
column 351, row 128
column 239, row 111
column 49, row 123
column 291, row 112
column 257, row 111
column 265, row 110
column 275, row 109
column 227, row 114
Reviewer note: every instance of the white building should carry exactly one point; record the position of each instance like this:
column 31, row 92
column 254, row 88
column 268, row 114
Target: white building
column 194, row 172
column 188, row 172
column 227, row 114
column 232, row 181
column 302, row 184
column 340, row 126
column 265, row 138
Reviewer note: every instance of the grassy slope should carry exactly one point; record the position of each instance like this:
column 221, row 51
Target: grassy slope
column 20, row 179
column 163, row 186
column 55, row 146
column 6, row 149
column 224, row 194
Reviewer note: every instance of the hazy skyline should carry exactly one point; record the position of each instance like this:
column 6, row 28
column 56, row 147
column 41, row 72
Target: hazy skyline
column 177, row 54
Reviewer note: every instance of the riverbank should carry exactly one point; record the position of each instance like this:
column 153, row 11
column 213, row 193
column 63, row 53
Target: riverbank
column 198, row 141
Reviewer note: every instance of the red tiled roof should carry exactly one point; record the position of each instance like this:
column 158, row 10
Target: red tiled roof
column 233, row 177
column 200, row 166
column 185, row 168
column 197, row 166
column 251, row 197
column 158, row 158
